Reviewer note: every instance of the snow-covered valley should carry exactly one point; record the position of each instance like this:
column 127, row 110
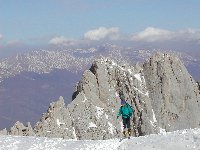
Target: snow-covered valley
column 178, row 140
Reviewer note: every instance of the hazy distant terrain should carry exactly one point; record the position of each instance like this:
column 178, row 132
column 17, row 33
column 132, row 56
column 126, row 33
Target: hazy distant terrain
column 25, row 96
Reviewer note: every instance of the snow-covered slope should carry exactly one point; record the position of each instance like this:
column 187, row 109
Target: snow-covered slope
column 179, row 140
column 43, row 61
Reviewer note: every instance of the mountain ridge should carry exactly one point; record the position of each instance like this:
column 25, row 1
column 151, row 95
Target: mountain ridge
column 92, row 113
column 30, row 78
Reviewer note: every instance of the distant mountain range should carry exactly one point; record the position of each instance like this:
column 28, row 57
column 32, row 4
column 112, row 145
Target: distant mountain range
column 30, row 81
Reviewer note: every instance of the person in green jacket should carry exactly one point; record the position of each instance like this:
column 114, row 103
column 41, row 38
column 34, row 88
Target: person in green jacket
column 126, row 112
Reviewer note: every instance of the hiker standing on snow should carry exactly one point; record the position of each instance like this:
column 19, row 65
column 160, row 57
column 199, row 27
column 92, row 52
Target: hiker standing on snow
column 126, row 112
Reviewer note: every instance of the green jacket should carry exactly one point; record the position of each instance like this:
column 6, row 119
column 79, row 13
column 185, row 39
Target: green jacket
column 126, row 111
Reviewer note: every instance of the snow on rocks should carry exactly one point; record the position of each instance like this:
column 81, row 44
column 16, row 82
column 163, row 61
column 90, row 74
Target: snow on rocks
column 111, row 128
column 154, row 117
column 99, row 111
column 138, row 77
column 92, row 125
column 59, row 123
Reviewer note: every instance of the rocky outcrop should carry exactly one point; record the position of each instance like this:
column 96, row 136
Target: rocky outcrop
column 3, row 132
column 161, row 91
column 20, row 129
column 173, row 92
column 57, row 122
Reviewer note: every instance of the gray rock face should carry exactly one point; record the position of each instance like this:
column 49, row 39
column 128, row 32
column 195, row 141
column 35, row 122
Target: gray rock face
column 173, row 92
column 98, row 96
column 162, row 93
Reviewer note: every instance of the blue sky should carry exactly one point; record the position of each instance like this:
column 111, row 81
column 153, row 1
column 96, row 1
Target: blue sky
column 37, row 22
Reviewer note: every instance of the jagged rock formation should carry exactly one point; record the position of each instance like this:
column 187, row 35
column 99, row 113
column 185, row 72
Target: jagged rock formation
column 163, row 94
column 3, row 132
column 20, row 129
column 56, row 122
column 173, row 92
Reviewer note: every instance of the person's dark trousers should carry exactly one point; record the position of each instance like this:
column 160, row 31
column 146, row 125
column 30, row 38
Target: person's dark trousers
column 126, row 123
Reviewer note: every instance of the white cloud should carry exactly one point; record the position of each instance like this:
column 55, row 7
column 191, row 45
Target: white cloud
column 103, row 33
column 151, row 34
column 57, row 40
column 61, row 40
column 189, row 34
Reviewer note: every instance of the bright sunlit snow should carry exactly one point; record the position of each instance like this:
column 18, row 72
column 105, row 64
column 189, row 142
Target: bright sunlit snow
column 138, row 77
column 179, row 140
column 99, row 112
column 92, row 125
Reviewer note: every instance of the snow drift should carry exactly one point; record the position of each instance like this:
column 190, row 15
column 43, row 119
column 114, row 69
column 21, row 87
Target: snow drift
column 179, row 140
